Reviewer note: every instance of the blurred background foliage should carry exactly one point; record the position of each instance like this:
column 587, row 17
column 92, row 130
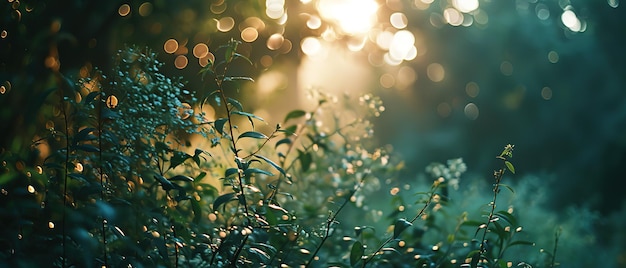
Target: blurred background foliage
column 458, row 77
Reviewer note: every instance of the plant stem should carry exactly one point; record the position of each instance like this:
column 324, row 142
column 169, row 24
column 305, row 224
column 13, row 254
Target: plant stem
column 102, row 178
column 234, row 144
column 332, row 220
column 556, row 243
column 417, row 216
column 65, row 168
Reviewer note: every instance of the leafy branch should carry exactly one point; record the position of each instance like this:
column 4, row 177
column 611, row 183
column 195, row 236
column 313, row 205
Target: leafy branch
column 498, row 175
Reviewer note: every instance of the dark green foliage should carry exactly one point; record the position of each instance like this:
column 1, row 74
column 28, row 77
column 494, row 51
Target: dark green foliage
column 123, row 185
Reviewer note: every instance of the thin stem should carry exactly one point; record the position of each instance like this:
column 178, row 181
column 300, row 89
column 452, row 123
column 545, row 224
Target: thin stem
column 332, row 220
column 417, row 216
column 102, row 178
column 175, row 247
column 65, row 169
column 233, row 142
column 233, row 261
column 556, row 243
column 496, row 188
column 263, row 144
column 508, row 152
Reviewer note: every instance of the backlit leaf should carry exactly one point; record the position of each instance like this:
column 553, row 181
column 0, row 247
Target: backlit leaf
column 356, row 253
column 305, row 160
column 510, row 166
column 250, row 171
column 248, row 115
column 237, row 78
column 400, row 226
column 252, row 134
column 294, row 114
column 276, row 166
column 223, row 199
column 235, row 103
column 219, row 125
column 181, row 178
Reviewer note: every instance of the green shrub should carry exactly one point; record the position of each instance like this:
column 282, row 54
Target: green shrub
column 121, row 182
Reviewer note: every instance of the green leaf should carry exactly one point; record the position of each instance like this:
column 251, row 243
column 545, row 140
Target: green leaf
column 400, row 226
column 510, row 166
column 252, row 134
column 276, row 166
column 508, row 187
column 282, row 141
column 178, row 158
column 277, row 207
column 356, row 253
column 294, row 114
column 181, row 178
column 248, row 115
column 523, row 243
column 109, row 114
column 235, row 103
column 239, row 56
column 260, row 254
column 223, row 199
column 250, row 171
column 237, row 78
column 290, row 130
column 197, row 210
column 87, row 148
column 166, row 184
column 76, row 176
column 305, row 160
column 84, row 134
column 507, row 217
column 219, row 125
column 231, row 171
column 91, row 97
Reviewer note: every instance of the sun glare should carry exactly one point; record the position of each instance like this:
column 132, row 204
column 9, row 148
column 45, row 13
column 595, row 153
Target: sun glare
column 352, row 16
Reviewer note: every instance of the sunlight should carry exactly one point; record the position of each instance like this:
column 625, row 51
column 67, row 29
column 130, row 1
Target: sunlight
column 352, row 16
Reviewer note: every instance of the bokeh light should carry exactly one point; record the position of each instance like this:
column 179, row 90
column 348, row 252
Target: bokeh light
column 472, row 89
column 275, row 9
column 471, row 111
column 275, row 41
column 401, row 45
column 465, row 6
column 553, row 57
column 145, row 9
column 352, row 16
column 181, row 61
column 453, row 16
column 311, row 46
column 225, row 24
column 571, row 21
column 124, row 10
column 546, row 93
column 314, row 22
column 249, row 34
column 387, row 80
column 506, row 68
column 170, row 46
column 200, row 50
column 435, row 72
column 398, row 20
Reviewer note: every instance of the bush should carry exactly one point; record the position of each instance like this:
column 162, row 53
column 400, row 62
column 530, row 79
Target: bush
column 117, row 178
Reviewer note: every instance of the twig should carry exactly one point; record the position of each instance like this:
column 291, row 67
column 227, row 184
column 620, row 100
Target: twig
column 332, row 220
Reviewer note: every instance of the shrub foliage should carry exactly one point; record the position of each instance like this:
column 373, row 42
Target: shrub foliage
column 116, row 178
